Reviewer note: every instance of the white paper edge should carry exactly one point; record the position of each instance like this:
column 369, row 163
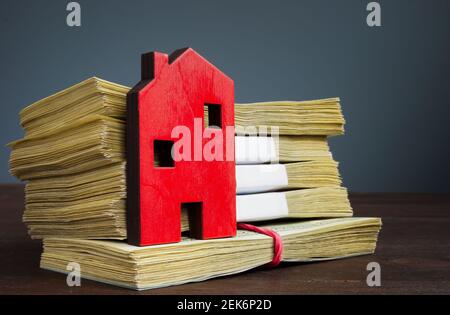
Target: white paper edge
column 260, row 178
column 255, row 150
column 260, row 207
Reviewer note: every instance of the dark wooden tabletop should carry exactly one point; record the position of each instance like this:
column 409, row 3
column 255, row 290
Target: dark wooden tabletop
column 413, row 252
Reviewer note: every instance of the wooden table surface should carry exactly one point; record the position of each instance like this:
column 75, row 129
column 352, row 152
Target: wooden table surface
column 413, row 251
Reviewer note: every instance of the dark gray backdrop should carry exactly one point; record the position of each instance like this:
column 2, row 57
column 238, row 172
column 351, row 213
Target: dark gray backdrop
column 393, row 81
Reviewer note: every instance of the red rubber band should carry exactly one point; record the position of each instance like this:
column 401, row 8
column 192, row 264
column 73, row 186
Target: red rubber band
column 277, row 241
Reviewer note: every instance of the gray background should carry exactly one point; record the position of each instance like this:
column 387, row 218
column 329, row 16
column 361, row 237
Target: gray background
column 393, row 81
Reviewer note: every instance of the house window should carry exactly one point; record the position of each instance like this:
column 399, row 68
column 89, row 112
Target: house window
column 162, row 150
column 212, row 115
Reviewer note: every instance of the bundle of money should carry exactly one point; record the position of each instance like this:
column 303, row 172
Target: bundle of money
column 73, row 160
